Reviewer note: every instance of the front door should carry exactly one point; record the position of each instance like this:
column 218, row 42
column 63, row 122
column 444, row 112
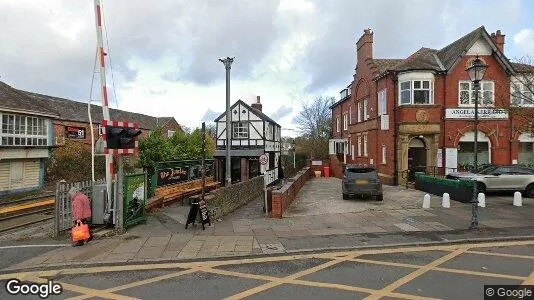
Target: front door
column 416, row 158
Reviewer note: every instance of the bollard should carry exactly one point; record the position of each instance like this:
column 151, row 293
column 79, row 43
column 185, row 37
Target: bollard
column 481, row 200
column 426, row 201
column 446, row 201
column 518, row 201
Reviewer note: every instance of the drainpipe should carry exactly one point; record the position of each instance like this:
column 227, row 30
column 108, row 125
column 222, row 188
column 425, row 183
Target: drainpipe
column 395, row 130
column 443, row 158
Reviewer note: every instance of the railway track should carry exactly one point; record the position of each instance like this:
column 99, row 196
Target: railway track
column 22, row 213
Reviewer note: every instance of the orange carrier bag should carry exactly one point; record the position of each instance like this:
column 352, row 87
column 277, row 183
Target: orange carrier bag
column 80, row 231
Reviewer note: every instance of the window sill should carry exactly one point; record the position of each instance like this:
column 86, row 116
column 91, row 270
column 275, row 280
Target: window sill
column 418, row 105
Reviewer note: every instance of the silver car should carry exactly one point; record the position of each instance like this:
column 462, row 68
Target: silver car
column 502, row 178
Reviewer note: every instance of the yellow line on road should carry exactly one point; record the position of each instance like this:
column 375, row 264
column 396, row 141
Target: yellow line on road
column 483, row 274
column 15, row 208
column 287, row 279
column 501, row 254
column 529, row 280
column 396, row 284
column 135, row 284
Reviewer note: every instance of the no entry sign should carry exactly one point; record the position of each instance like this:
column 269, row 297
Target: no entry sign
column 264, row 159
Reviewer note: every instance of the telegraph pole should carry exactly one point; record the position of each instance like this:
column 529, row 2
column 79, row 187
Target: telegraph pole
column 228, row 65
column 104, row 94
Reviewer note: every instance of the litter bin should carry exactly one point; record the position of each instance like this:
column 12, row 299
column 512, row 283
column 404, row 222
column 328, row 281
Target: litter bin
column 326, row 170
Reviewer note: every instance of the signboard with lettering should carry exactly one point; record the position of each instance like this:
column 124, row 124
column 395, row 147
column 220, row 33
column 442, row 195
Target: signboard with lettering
column 181, row 172
column 469, row 113
column 173, row 175
column 77, row 133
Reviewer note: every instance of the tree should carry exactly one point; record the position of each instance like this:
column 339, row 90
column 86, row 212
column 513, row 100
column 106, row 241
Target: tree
column 314, row 121
column 315, row 118
column 181, row 146
column 153, row 149
column 72, row 162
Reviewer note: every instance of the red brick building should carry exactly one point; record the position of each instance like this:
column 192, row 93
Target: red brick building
column 416, row 113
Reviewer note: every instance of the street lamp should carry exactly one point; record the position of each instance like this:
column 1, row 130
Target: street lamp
column 476, row 73
column 228, row 65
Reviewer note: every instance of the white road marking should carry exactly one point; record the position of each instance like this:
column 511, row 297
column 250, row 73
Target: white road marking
column 33, row 246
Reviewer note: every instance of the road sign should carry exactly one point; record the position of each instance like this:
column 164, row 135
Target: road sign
column 264, row 159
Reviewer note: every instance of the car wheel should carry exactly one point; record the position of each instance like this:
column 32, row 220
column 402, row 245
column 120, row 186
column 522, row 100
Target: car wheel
column 345, row 196
column 481, row 188
column 529, row 191
column 379, row 197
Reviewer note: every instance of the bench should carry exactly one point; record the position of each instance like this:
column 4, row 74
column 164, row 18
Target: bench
column 177, row 192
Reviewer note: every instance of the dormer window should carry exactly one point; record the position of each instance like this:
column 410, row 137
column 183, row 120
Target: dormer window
column 416, row 92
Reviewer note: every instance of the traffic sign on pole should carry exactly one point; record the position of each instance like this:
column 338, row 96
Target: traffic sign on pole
column 264, row 159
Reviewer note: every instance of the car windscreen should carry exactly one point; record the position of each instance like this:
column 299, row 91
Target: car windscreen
column 361, row 173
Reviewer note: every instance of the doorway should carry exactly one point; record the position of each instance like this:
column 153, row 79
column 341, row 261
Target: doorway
column 416, row 157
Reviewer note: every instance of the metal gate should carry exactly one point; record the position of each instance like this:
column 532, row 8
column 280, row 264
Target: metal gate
column 63, row 205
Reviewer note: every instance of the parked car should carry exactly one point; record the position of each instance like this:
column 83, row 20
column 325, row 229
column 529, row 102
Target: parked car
column 501, row 178
column 361, row 181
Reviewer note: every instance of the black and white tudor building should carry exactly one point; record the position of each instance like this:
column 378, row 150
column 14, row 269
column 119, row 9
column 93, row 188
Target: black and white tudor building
column 253, row 134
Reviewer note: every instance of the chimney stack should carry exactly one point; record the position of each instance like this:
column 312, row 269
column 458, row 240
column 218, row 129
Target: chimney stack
column 498, row 38
column 364, row 46
column 257, row 105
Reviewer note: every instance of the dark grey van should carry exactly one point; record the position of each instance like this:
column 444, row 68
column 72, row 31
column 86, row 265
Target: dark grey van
column 361, row 181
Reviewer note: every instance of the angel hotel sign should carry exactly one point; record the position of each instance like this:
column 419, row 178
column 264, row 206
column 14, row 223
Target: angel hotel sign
column 469, row 113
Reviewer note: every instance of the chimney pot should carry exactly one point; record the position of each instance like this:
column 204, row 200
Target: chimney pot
column 498, row 39
column 257, row 99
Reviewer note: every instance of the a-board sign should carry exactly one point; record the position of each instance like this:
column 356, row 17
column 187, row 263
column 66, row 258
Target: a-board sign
column 204, row 214
column 198, row 208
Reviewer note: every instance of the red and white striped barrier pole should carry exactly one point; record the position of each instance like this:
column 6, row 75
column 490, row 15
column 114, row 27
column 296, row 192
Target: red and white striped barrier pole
column 105, row 109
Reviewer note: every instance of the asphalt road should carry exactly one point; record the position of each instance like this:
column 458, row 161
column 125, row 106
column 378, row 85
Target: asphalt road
column 445, row 272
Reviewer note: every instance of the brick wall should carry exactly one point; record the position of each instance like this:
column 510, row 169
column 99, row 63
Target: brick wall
column 283, row 197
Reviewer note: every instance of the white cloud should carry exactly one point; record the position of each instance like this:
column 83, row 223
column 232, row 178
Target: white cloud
column 524, row 40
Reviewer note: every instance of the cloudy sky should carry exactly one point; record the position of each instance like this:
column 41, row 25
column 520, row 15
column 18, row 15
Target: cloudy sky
column 164, row 54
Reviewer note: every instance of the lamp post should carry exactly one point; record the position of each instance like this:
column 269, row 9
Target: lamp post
column 228, row 65
column 476, row 73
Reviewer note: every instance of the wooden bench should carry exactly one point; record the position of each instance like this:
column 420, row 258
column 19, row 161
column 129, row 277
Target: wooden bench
column 178, row 192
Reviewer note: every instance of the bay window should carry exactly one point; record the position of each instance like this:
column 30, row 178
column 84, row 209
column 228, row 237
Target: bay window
column 18, row 130
column 485, row 94
column 417, row 92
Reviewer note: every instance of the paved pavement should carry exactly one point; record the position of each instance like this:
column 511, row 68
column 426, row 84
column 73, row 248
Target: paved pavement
column 350, row 223
column 433, row 272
